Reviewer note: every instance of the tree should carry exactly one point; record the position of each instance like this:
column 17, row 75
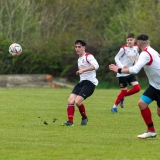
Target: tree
column 18, row 20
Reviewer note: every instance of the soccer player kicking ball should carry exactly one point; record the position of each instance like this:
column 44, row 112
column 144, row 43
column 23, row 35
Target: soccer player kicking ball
column 127, row 56
column 149, row 59
column 87, row 65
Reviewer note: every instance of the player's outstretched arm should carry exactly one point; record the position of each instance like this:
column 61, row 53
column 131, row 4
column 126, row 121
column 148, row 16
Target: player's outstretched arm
column 115, row 69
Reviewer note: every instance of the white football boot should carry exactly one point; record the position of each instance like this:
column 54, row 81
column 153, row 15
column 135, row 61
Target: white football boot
column 147, row 134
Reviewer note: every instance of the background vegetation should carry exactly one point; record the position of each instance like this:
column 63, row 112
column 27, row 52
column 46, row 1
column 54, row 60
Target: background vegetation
column 47, row 30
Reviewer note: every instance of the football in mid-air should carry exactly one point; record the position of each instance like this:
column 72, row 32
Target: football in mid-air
column 15, row 49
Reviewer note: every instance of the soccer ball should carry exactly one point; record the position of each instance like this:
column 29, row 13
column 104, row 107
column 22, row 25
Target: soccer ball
column 15, row 49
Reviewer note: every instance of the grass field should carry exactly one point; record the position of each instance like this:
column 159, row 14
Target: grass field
column 28, row 130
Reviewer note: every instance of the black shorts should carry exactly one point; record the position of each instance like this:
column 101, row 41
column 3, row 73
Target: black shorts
column 84, row 89
column 127, row 79
column 153, row 94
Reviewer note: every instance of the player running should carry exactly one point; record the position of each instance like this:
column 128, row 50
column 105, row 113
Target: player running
column 87, row 65
column 149, row 59
column 126, row 57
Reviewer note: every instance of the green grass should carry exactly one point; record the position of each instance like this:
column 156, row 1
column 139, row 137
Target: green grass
column 24, row 136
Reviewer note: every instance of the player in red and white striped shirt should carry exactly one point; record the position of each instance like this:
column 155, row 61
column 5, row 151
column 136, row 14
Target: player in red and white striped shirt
column 127, row 56
column 149, row 59
column 87, row 66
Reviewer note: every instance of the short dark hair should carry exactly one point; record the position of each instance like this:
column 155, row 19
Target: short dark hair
column 82, row 42
column 130, row 35
column 143, row 37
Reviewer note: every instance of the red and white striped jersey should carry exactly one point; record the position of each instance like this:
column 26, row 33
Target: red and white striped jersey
column 126, row 57
column 149, row 59
column 84, row 62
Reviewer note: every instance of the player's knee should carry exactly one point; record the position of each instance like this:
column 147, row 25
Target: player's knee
column 139, row 103
column 142, row 105
column 70, row 101
column 78, row 103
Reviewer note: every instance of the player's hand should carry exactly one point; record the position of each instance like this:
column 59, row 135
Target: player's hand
column 79, row 72
column 113, row 68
